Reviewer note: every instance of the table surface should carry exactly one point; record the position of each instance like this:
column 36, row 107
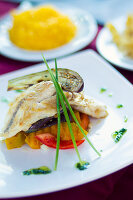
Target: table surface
column 115, row 186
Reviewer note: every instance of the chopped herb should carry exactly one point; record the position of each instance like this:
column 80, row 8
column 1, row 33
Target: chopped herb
column 125, row 118
column 19, row 91
column 110, row 95
column 64, row 102
column 82, row 166
column 59, row 120
column 103, row 90
column 101, row 150
column 119, row 106
column 117, row 135
column 4, row 100
column 36, row 171
column 59, row 92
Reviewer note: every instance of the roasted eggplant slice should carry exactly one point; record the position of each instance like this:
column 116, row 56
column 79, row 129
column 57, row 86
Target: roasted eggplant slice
column 47, row 122
column 69, row 80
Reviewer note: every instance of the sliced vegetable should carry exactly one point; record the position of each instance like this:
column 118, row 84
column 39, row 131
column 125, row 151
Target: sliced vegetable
column 64, row 131
column 32, row 141
column 46, row 122
column 50, row 141
column 15, row 141
column 84, row 121
column 69, row 80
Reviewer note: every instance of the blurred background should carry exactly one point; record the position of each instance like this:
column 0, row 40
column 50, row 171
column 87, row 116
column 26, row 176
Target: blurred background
column 102, row 10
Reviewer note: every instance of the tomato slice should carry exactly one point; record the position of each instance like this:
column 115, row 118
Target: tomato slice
column 50, row 141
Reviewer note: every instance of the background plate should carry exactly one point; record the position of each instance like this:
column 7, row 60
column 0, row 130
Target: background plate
column 96, row 73
column 109, row 50
column 86, row 31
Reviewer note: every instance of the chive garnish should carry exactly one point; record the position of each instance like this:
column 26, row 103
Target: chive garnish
column 63, row 98
column 58, row 126
column 19, row 91
column 103, row 90
column 119, row 106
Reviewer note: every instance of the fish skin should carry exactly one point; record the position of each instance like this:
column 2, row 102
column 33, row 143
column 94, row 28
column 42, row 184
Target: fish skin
column 39, row 102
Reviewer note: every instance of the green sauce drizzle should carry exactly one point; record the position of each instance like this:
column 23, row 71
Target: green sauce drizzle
column 82, row 165
column 119, row 106
column 117, row 135
column 37, row 171
column 103, row 90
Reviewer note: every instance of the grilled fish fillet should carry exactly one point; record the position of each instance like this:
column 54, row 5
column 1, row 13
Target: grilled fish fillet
column 39, row 102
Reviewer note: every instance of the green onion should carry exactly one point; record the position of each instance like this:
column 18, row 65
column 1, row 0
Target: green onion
column 61, row 94
column 64, row 109
column 19, row 91
column 58, row 127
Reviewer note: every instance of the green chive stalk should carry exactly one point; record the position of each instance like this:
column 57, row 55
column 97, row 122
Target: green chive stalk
column 60, row 91
column 64, row 110
column 58, row 126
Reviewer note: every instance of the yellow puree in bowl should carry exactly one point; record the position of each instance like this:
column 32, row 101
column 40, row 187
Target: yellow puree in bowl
column 41, row 28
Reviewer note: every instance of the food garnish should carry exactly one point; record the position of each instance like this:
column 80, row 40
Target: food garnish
column 59, row 121
column 125, row 118
column 119, row 106
column 41, row 28
column 117, row 135
column 37, row 171
column 19, row 91
column 63, row 98
column 82, row 165
column 102, row 90
column 124, row 40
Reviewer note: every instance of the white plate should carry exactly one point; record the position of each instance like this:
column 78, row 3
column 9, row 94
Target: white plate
column 96, row 74
column 86, row 31
column 108, row 49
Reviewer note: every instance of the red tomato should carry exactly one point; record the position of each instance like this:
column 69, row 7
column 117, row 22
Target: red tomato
column 50, row 141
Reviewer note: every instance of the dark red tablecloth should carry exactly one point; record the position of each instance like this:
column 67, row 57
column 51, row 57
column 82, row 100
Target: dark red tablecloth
column 118, row 185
